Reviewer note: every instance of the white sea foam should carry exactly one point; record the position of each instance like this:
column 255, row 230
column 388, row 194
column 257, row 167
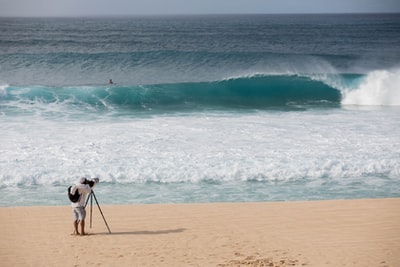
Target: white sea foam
column 379, row 88
column 262, row 146
column 3, row 91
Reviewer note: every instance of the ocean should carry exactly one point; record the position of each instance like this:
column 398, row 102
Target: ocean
column 213, row 108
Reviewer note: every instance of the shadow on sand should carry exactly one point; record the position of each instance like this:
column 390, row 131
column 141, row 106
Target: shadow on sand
column 158, row 232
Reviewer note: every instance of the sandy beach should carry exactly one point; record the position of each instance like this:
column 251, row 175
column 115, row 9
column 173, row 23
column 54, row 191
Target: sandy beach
column 313, row 233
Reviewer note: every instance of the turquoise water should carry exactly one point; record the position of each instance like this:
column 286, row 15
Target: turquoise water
column 202, row 108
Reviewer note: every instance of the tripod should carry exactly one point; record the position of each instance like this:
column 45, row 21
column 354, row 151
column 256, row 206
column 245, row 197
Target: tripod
column 91, row 196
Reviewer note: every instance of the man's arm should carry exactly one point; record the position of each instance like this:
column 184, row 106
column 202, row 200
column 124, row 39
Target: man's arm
column 83, row 188
column 73, row 190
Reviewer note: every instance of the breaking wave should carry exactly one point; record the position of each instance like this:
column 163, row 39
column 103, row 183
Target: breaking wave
column 378, row 88
column 256, row 92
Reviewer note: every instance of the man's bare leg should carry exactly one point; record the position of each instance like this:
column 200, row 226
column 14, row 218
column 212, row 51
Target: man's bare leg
column 76, row 232
column 82, row 227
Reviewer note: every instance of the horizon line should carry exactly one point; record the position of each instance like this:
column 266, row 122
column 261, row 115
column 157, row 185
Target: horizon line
column 197, row 14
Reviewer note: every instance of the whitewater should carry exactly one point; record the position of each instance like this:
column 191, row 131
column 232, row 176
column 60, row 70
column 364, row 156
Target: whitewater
column 202, row 108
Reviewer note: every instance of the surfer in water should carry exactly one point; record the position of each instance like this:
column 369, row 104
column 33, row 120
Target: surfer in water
column 110, row 81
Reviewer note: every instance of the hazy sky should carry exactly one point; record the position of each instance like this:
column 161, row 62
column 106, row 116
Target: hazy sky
column 134, row 7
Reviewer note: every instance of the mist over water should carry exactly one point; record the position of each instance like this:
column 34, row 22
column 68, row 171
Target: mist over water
column 378, row 88
column 202, row 109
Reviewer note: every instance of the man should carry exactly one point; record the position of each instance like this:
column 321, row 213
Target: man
column 84, row 187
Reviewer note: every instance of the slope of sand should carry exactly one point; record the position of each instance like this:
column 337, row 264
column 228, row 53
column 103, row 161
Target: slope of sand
column 320, row 233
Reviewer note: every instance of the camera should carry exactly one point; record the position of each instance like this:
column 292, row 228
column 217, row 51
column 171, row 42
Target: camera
column 92, row 182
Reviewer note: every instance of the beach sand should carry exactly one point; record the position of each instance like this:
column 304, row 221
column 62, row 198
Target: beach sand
column 311, row 233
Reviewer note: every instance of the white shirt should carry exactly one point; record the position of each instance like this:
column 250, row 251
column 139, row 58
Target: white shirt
column 83, row 189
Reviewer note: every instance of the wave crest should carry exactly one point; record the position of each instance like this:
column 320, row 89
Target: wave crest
column 378, row 88
column 253, row 92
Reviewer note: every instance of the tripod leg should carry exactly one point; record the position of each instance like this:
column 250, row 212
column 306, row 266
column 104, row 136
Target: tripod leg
column 87, row 200
column 109, row 231
column 91, row 208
